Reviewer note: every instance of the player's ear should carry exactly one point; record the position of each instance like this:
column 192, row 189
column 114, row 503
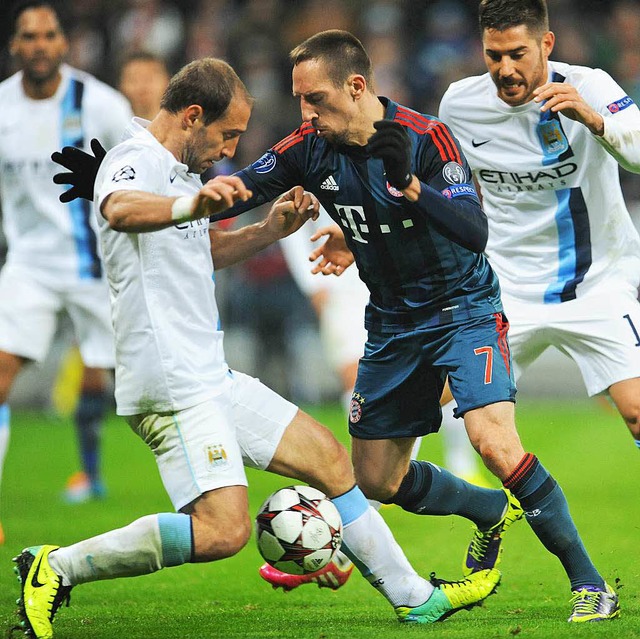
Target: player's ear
column 357, row 86
column 548, row 42
column 191, row 115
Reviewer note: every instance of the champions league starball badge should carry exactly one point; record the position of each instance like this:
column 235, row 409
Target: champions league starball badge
column 454, row 173
column 265, row 164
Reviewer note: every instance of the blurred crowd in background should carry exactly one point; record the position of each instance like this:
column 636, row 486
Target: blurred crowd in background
column 417, row 48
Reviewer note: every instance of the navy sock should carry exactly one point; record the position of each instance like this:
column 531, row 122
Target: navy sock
column 547, row 512
column 428, row 489
column 89, row 416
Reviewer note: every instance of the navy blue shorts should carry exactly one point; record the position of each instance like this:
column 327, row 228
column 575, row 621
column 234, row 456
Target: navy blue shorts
column 401, row 377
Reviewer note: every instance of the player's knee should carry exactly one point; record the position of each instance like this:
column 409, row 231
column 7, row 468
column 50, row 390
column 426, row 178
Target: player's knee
column 335, row 475
column 224, row 539
column 499, row 457
column 374, row 486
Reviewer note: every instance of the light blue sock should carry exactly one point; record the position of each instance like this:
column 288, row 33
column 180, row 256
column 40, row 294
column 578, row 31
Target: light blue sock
column 351, row 506
column 176, row 538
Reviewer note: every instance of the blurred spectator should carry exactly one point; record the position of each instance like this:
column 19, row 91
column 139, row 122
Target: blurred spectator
column 149, row 25
column 143, row 79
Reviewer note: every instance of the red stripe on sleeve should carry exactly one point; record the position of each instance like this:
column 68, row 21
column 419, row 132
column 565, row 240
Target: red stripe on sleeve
column 293, row 138
column 423, row 124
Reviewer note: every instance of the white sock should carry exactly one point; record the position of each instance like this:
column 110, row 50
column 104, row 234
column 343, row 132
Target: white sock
column 460, row 457
column 368, row 542
column 144, row 546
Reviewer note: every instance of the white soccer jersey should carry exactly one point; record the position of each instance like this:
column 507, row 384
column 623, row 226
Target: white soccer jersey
column 54, row 240
column 296, row 248
column 558, row 224
column 169, row 353
column 342, row 316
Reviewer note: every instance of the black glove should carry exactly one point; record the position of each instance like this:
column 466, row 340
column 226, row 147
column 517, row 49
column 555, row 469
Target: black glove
column 391, row 143
column 84, row 168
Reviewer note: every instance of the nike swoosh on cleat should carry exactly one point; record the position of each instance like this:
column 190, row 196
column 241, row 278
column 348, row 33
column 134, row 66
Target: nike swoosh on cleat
column 34, row 580
column 477, row 144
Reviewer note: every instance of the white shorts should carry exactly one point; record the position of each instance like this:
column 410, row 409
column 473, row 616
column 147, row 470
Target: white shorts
column 207, row 446
column 342, row 328
column 29, row 308
column 600, row 331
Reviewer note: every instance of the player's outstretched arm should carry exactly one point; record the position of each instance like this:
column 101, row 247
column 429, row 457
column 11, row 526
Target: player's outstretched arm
column 142, row 212
column 287, row 214
column 332, row 257
column 82, row 170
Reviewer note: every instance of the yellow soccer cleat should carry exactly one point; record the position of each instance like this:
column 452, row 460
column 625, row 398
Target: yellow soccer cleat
column 449, row 597
column 594, row 604
column 486, row 545
column 42, row 592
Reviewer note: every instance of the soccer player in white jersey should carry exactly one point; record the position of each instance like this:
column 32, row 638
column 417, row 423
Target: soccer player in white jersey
column 545, row 140
column 52, row 261
column 201, row 420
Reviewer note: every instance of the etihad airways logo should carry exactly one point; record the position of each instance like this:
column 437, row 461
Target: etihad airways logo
column 548, row 178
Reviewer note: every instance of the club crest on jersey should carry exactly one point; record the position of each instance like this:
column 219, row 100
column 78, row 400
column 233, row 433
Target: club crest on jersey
column 355, row 408
column 620, row 105
column 453, row 173
column 552, row 137
column 394, row 191
column 265, row 164
column 125, row 173
column 216, row 456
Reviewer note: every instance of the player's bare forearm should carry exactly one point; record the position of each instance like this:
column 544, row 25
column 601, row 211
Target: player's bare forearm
column 137, row 211
column 287, row 215
column 142, row 212
column 231, row 247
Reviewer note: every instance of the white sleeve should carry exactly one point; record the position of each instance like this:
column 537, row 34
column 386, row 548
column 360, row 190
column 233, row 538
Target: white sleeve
column 129, row 168
column 621, row 115
column 621, row 139
column 296, row 248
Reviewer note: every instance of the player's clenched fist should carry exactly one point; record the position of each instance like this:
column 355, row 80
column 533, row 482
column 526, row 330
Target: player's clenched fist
column 219, row 194
column 291, row 210
column 391, row 143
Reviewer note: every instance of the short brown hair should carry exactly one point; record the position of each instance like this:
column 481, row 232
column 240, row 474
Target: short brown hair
column 209, row 82
column 504, row 14
column 340, row 50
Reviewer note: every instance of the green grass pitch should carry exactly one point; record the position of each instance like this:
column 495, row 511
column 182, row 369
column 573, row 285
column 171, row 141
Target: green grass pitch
column 586, row 447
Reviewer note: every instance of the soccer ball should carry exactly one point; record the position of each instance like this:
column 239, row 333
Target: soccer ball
column 298, row 530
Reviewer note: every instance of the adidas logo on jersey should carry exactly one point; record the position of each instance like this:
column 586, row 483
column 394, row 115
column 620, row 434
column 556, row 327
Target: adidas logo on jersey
column 330, row 184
